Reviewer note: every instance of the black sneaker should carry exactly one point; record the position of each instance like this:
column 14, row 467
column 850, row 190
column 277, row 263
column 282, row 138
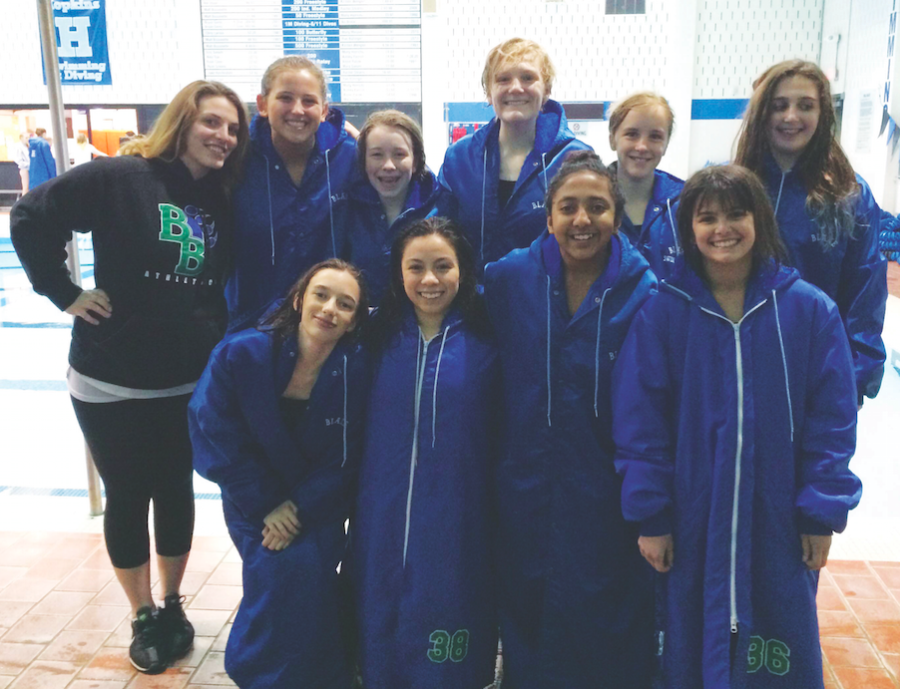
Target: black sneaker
column 178, row 632
column 146, row 651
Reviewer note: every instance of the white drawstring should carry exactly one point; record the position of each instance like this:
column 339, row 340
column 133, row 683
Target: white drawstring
column 674, row 227
column 330, row 205
column 780, row 187
column 787, row 384
column 345, row 411
column 420, row 369
column 271, row 222
column 597, row 354
column 549, row 397
column 437, row 372
column 544, row 169
column 483, row 195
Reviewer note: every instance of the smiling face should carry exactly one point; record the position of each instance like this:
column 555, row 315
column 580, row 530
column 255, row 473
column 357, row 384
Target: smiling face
column 212, row 137
column 641, row 141
column 328, row 308
column 518, row 93
column 430, row 272
column 583, row 218
column 793, row 118
column 724, row 237
column 389, row 161
column 295, row 107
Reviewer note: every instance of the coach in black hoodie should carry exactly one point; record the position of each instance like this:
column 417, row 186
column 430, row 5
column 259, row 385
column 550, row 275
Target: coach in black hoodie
column 160, row 220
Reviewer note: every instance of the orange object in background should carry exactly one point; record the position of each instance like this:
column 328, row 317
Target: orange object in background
column 107, row 140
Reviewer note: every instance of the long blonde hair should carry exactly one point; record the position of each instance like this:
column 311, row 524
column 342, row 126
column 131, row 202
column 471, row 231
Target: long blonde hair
column 168, row 137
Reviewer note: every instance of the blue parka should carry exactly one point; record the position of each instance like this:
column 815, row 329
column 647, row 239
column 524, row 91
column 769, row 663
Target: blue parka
column 368, row 237
column 853, row 273
column 42, row 165
column 658, row 238
column 287, row 632
column 421, row 536
column 471, row 175
column 281, row 230
column 735, row 438
column 576, row 598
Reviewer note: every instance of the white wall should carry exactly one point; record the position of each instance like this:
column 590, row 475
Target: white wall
column 155, row 48
column 867, row 70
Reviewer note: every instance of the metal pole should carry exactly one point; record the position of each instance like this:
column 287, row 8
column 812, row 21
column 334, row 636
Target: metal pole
column 61, row 151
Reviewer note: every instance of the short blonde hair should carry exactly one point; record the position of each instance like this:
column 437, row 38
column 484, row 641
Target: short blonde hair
column 642, row 99
column 516, row 50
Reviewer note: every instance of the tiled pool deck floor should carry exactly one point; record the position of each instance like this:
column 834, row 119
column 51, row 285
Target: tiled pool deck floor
column 64, row 620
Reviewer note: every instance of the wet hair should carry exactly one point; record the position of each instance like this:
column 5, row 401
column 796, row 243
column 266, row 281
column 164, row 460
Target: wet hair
column 643, row 99
column 585, row 161
column 516, row 50
column 731, row 187
column 81, row 138
column 401, row 121
column 285, row 320
column 168, row 137
column 40, row 131
column 822, row 167
column 293, row 63
column 467, row 300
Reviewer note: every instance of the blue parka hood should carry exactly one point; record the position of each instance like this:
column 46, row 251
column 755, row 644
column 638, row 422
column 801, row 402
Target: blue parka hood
column 368, row 237
column 658, row 239
column 575, row 594
column 282, row 229
column 735, row 438
column 471, row 173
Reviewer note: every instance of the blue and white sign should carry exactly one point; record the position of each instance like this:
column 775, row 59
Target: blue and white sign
column 81, row 42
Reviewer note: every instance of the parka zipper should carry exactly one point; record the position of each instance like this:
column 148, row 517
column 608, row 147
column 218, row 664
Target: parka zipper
column 414, row 455
column 735, row 509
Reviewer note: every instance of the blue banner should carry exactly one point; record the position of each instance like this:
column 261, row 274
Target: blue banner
column 80, row 28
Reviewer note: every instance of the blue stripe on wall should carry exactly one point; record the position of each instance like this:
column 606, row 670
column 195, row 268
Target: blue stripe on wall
column 701, row 109
column 718, row 109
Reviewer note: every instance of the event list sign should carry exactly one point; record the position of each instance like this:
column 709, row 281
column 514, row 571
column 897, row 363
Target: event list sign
column 370, row 50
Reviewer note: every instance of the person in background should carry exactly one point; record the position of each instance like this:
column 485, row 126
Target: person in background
column 160, row 218
column 422, row 534
column 576, row 599
column 826, row 214
column 84, row 150
column 734, row 408
column 496, row 178
column 301, row 159
column 395, row 190
column 23, row 159
column 639, row 131
column 276, row 421
column 42, row 165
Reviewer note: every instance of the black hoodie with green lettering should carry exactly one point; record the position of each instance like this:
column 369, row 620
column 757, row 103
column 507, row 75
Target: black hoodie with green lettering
column 161, row 242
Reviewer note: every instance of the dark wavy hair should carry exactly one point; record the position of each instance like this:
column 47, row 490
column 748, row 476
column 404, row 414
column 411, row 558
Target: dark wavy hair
column 585, row 161
column 467, row 300
column 823, row 167
column 285, row 320
column 732, row 187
